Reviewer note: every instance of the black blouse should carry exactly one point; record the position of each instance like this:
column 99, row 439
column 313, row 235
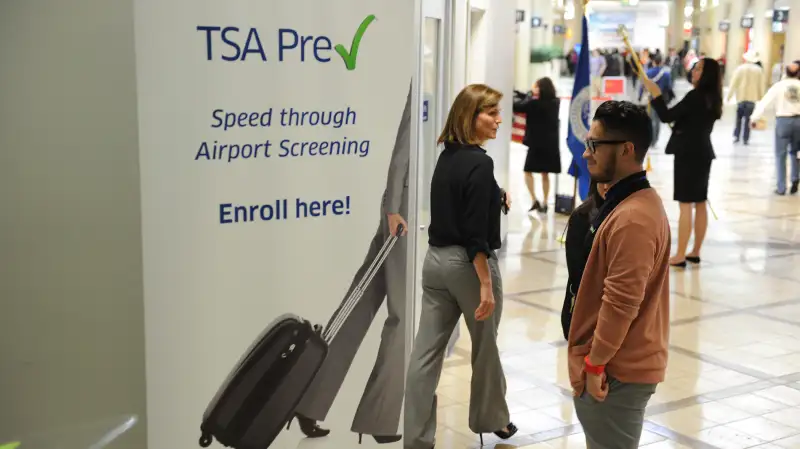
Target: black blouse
column 465, row 201
column 693, row 122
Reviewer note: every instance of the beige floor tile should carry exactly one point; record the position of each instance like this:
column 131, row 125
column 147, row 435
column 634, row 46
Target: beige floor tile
column 753, row 404
column 763, row 429
column 665, row 444
column 727, row 438
column 788, row 417
column 788, row 443
column 576, row 441
column 782, row 394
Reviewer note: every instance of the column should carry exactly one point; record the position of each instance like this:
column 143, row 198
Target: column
column 575, row 24
column 735, row 47
column 524, row 42
column 676, row 24
column 791, row 49
column 542, row 37
column 762, row 33
column 696, row 21
column 704, row 25
column 715, row 46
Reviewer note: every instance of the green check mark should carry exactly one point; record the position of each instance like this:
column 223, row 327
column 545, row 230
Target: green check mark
column 13, row 445
column 350, row 57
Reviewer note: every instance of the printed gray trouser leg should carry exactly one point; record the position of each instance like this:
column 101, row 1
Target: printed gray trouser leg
column 379, row 412
column 617, row 422
column 450, row 289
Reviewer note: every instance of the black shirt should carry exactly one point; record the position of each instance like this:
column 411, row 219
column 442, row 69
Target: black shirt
column 465, row 201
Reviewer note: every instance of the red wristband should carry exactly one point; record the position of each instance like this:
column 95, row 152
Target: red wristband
column 592, row 369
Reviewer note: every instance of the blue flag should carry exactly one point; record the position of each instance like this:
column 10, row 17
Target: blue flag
column 579, row 109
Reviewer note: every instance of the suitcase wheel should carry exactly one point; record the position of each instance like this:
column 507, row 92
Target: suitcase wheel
column 205, row 440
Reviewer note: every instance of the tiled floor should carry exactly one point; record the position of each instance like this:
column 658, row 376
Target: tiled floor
column 734, row 370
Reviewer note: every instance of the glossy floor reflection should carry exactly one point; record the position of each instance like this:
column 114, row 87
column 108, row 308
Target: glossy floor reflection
column 734, row 371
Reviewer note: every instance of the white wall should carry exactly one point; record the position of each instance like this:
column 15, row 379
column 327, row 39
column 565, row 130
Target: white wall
column 72, row 333
column 490, row 60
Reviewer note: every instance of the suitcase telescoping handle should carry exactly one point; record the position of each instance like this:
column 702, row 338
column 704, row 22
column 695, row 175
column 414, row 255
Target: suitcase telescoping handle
column 341, row 315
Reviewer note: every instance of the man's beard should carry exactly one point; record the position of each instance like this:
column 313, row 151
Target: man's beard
column 609, row 173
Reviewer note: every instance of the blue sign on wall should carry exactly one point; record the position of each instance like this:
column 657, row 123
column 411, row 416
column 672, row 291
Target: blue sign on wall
column 425, row 111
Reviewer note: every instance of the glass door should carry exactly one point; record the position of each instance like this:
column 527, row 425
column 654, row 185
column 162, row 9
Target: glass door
column 433, row 63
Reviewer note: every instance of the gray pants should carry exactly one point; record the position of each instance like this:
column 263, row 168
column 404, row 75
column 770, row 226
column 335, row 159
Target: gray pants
column 617, row 422
column 450, row 289
column 379, row 411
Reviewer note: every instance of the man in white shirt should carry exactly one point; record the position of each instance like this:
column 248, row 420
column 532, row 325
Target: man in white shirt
column 747, row 84
column 785, row 94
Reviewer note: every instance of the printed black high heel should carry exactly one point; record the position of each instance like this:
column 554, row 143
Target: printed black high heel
column 504, row 434
column 382, row 439
column 308, row 426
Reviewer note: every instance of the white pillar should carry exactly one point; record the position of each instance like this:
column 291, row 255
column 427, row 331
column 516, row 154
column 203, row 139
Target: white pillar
column 735, row 37
column 676, row 24
column 575, row 25
column 762, row 34
column 522, row 81
column 791, row 49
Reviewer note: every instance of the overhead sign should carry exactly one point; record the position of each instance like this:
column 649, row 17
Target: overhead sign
column 747, row 22
column 536, row 22
column 724, row 26
column 780, row 15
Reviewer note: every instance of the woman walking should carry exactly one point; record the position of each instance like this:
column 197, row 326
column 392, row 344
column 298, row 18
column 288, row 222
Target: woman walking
column 693, row 121
column 541, row 138
column 460, row 275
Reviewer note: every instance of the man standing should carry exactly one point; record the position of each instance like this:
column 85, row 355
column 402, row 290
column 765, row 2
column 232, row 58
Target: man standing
column 620, row 327
column 748, row 86
column 785, row 96
column 661, row 76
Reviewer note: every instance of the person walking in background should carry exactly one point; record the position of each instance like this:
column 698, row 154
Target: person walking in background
column 460, row 275
column 785, row 95
column 747, row 84
column 378, row 413
column 619, row 335
column 541, row 138
column 661, row 76
column 693, row 120
column 578, row 225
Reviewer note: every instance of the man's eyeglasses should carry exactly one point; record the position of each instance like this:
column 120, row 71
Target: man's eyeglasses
column 592, row 144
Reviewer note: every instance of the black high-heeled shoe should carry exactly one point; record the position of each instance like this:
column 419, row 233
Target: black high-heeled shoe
column 382, row 439
column 308, row 426
column 504, row 434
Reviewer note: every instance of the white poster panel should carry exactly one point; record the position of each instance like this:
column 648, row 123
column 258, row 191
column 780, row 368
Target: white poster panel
column 274, row 161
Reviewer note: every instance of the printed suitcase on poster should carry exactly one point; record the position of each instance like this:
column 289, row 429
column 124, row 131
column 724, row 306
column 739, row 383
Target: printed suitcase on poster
column 260, row 395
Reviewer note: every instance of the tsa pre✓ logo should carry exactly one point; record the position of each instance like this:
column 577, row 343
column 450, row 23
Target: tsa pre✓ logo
column 231, row 43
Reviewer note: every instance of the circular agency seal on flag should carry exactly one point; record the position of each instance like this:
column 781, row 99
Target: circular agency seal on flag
column 579, row 112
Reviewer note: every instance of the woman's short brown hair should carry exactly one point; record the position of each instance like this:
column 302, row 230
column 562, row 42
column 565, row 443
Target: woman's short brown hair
column 471, row 101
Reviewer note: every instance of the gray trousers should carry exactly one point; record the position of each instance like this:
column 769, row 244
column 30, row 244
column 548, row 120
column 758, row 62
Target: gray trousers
column 450, row 289
column 617, row 422
column 379, row 411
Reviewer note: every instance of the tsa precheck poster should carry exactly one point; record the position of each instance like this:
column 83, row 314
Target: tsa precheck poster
column 274, row 151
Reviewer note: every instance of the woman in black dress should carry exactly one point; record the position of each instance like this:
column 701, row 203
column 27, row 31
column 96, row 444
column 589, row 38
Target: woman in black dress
column 541, row 137
column 693, row 121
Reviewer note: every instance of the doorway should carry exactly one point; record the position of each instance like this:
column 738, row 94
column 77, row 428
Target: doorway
column 434, row 62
